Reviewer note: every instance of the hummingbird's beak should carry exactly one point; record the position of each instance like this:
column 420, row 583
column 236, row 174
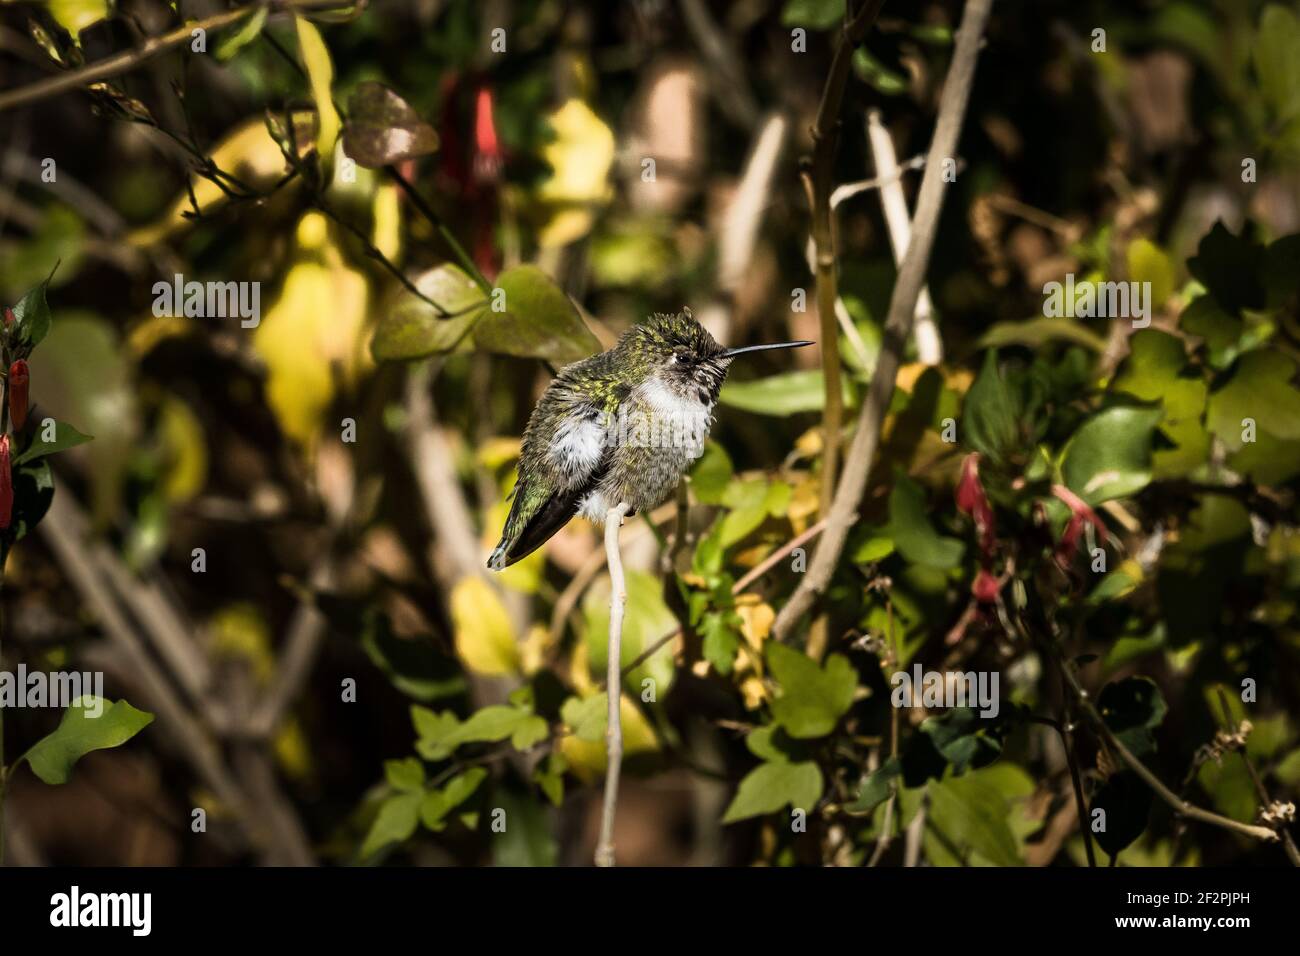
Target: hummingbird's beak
column 732, row 353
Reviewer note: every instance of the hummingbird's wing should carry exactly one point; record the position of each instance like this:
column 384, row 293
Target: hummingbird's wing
column 546, row 498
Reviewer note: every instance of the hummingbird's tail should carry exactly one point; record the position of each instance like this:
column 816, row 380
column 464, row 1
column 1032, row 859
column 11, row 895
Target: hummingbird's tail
column 498, row 562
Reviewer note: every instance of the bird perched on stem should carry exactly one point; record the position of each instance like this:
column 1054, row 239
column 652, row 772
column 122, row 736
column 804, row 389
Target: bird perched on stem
column 621, row 426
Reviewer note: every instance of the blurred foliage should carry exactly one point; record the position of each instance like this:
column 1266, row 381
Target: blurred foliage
column 436, row 224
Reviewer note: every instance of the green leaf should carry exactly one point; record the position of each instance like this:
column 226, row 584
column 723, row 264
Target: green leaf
column 1230, row 268
column 1153, row 372
column 527, row 839
column 1110, row 454
column 1276, row 63
column 65, row 437
column 397, row 819
column 751, row 502
column 646, row 619
column 32, row 316
column 873, row 548
column 1131, row 708
column 812, row 698
column 1260, row 389
column 1147, row 262
column 538, row 320
column 785, row 393
column 911, row 531
column 711, row 474
column 973, row 814
column 990, row 415
column 320, row 75
column 720, row 640
column 877, row 787
column 1040, row 332
column 33, row 492
column 382, row 128
column 875, row 74
column 406, row 775
column 415, row 329
column 1127, row 802
column 586, row 716
column 817, row 14
column 53, row 757
column 771, row 786
column 439, row 802
column 234, row 42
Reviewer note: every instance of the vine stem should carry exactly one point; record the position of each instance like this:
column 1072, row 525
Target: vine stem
column 818, row 183
column 613, row 683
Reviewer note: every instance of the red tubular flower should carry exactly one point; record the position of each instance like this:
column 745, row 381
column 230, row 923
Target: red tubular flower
column 9, row 316
column 1080, row 515
column 972, row 500
column 487, row 149
column 6, row 484
column 18, row 379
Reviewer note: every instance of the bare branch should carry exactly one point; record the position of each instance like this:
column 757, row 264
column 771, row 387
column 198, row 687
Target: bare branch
column 902, row 308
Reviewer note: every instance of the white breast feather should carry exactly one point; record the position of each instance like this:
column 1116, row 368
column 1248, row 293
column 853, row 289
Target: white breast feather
column 577, row 447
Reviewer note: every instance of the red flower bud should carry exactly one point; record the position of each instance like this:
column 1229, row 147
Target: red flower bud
column 972, row 500
column 18, row 379
column 6, row 484
column 9, row 316
column 487, row 149
column 985, row 587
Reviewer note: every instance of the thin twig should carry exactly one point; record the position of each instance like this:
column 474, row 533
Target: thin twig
column 128, row 60
column 902, row 308
column 613, row 684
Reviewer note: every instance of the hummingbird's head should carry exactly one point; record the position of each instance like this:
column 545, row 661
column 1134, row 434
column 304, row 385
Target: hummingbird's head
column 682, row 354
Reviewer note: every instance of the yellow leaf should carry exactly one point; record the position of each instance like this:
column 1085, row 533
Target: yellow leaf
column 485, row 640
column 186, row 451
column 755, row 622
column 387, row 234
column 239, row 632
column 587, row 758
column 75, row 15
column 316, row 323
column 495, row 452
column 320, row 74
column 580, row 157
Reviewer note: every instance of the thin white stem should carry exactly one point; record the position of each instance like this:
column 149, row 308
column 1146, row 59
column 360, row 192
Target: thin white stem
column 613, row 683
column 929, row 346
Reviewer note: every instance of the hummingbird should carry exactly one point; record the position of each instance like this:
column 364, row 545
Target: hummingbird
column 621, row 426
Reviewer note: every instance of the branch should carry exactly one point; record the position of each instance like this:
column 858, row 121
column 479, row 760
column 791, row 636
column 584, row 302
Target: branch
column 613, row 684
column 128, row 60
column 902, row 308
column 1177, row 803
column 825, row 133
